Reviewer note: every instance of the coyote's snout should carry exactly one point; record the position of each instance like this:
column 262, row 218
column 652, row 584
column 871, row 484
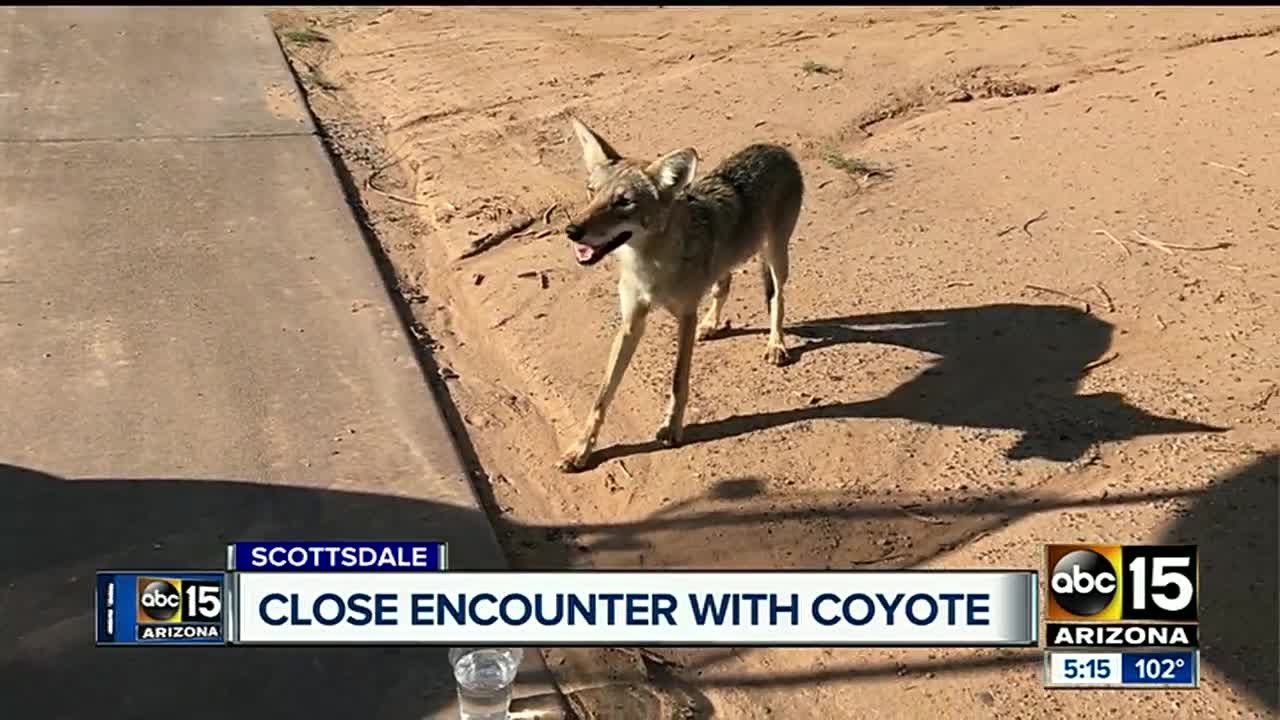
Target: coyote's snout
column 627, row 198
column 677, row 238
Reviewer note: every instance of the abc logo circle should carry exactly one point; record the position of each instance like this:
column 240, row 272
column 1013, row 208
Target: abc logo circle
column 1083, row 582
column 160, row 600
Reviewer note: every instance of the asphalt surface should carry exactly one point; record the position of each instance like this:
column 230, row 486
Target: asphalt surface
column 196, row 347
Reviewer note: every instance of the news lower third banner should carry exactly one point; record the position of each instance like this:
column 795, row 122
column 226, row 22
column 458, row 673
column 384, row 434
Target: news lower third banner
column 634, row 608
column 189, row 607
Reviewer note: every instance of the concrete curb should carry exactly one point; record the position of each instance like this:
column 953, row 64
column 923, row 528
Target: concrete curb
column 539, row 695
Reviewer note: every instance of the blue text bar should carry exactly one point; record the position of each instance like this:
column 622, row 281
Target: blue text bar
column 338, row 556
column 1159, row 668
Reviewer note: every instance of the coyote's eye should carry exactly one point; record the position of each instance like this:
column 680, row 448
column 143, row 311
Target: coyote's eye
column 623, row 202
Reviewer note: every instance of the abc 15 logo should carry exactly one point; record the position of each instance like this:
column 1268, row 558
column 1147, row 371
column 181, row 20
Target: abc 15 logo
column 1109, row 583
column 174, row 600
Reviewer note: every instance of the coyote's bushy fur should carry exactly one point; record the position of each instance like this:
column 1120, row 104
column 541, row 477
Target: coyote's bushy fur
column 677, row 238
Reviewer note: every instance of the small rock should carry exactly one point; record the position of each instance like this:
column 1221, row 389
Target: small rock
column 986, row 698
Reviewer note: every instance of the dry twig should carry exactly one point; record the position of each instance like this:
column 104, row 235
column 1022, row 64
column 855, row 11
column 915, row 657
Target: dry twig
column 906, row 510
column 1261, row 402
column 494, row 239
column 1059, row 293
column 371, row 185
column 1168, row 248
column 1144, row 240
column 1111, row 306
column 883, row 559
column 622, row 466
column 1240, row 342
column 1237, row 450
column 393, row 196
column 1104, row 360
column 1236, row 170
column 1026, row 226
column 1115, row 240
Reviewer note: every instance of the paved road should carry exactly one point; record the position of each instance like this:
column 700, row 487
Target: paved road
column 195, row 347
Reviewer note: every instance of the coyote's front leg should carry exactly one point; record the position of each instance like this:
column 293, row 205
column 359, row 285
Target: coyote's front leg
column 672, row 429
column 624, row 346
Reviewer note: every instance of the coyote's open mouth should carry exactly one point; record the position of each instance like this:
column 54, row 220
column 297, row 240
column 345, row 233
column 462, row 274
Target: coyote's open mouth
column 591, row 254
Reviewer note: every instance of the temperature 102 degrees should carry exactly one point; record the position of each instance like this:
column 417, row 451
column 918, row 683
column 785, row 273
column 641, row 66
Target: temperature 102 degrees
column 1163, row 669
column 1122, row 669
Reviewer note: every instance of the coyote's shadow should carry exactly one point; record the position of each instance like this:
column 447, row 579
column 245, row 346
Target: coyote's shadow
column 1009, row 367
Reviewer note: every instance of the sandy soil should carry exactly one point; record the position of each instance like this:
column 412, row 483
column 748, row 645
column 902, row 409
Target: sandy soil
column 995, row 348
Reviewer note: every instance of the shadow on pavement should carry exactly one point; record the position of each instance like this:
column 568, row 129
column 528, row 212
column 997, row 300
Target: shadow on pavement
column 58, row 532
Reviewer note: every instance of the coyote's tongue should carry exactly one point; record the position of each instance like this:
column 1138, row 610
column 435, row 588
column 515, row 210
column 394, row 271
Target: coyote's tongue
column 584, row 252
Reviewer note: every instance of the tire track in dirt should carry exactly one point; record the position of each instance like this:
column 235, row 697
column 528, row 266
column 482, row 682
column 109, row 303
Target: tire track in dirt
column 1262, row 32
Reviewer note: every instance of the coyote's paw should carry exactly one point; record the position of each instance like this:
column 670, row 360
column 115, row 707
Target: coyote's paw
column 669, row 435
column 707, row 331
column 777, row 355
column 573, row 460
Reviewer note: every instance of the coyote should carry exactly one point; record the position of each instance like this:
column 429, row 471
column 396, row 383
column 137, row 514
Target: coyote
column 677, row 238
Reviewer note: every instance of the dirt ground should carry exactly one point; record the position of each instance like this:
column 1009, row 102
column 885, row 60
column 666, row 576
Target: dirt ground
column 1033, row 296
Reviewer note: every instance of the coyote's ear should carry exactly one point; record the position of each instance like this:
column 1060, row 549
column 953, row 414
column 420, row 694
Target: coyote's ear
column 673, row 171
column 595, row 151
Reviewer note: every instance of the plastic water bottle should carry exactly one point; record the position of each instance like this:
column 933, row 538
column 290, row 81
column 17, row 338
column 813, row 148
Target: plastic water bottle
column 485, row 677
